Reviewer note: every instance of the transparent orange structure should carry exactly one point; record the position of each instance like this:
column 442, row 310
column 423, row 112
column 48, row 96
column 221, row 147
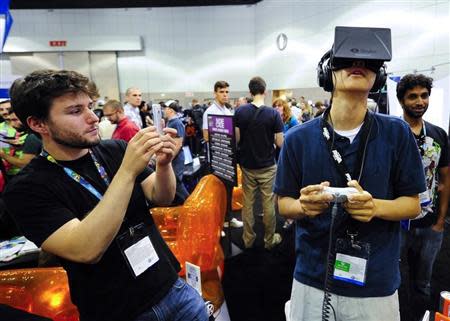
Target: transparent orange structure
column 43, row 292
column 191, row 230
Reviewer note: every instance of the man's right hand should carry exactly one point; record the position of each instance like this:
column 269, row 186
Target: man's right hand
column 140, row 150
column 313, row 201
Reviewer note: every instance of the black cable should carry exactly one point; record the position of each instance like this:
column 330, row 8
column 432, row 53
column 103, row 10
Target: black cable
column 326, row 304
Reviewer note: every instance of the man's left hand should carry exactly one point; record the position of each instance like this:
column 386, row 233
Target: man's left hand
column 360, row 205
column 167, row 153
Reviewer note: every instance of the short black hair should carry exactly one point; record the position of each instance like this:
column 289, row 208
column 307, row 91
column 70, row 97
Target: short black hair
column 34, row 94
column 220, row 84
column 257, row 86
column 413, row 80
column 175, row 107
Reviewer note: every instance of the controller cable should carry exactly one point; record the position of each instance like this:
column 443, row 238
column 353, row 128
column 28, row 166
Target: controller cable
column 327, row 307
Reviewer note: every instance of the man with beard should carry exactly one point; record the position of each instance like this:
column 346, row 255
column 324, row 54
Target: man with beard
column 422, row 237
column 125, row 129
column 31, row 144
column 87, row 202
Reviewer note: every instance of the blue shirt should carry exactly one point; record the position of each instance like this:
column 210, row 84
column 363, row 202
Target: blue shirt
column 392, row 169
column 178, row 161
column 291, row 123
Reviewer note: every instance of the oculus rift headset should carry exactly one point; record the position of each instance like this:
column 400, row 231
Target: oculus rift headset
column 371, row 45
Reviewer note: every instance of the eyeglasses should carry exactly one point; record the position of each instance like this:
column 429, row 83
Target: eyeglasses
column 109, row 115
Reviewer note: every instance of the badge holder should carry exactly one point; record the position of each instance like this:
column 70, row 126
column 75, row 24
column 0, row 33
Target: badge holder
column 351, row 260
column 137, row 249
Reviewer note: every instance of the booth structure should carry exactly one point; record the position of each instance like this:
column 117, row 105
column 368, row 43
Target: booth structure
column 191, row 230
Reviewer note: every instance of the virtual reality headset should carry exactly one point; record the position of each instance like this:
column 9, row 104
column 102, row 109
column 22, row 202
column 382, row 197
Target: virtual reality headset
column 371, row 45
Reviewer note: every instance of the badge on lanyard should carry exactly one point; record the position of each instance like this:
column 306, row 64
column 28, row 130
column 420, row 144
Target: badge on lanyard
column 137, row 248
column 351, row 260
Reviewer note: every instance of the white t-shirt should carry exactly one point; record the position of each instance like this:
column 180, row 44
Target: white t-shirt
column 133, row 114
column 106, row 129
column 350, row 134
column 214, row 109
column 297, row 112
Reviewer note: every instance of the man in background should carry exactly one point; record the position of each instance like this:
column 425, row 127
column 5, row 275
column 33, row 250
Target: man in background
column 173, row 121
column 12, row 153
column 258, row 129
column 221, row 92
column 125, row 128
column 422, row 237
column 29, row 145
column 133, row 97
column 5, row 107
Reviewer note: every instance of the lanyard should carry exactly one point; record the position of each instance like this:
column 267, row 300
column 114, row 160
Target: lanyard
column 77, row 177
column 352, row 226
column 421, row 138
column 337, row 156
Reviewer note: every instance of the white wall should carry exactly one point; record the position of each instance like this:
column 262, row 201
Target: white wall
column 187, row 49
column 420, row 35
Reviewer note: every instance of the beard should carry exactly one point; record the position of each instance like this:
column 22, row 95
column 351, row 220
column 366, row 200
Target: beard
column 21, row 129
column 73, row 140
column 415, row 113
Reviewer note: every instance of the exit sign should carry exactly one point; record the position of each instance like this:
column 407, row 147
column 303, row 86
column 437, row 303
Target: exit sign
column 57, row 43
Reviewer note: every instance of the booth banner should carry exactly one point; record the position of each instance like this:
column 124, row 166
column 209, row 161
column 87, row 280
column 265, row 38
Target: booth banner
column 438, row 112
column 6, row 21
column 222, row 147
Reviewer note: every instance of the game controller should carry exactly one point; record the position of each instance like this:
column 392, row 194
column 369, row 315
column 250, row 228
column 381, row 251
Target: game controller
column 339, row 193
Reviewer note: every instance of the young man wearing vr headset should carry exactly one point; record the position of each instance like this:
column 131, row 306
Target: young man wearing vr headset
column 358, row 241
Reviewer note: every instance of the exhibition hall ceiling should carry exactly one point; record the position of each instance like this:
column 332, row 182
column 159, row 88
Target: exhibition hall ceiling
column 66, row 4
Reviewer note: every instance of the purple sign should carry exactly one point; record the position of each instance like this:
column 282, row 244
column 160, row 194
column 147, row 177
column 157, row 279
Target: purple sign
column 222, row 147
column 221, row 124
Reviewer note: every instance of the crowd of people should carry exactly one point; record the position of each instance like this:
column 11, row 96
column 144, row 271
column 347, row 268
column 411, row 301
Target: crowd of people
column 86, row 199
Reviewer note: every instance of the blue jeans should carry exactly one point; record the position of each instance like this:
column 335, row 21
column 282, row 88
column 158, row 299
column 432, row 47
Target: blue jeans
column 181, row 303
column 420, row 247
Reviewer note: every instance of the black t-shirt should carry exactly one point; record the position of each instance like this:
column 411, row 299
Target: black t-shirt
column 43, row 197
column 32, row 144
column 257, row 136
column 437, row 147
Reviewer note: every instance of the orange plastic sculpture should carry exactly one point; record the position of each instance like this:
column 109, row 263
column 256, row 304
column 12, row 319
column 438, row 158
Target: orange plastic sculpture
column 191, row 230
column 236, row 202
column 43, row 292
